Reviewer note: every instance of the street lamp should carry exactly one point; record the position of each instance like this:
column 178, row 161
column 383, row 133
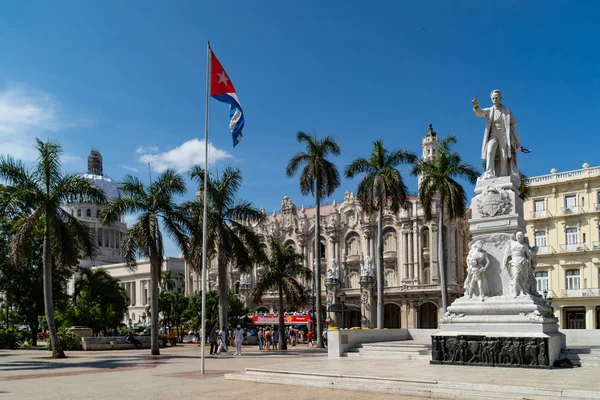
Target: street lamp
column 415, row 306
column 547, row 299
column 343, row 301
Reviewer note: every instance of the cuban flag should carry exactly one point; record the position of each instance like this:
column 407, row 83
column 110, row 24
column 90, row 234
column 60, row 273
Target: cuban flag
column 222, row 89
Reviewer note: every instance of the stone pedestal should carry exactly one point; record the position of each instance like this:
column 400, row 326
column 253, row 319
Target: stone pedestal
column 510, row 324
column 332, row 285
column 368, row 307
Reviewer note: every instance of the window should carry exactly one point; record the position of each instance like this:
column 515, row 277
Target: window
column 573, row 280
column 541, row 278
column 570, row 203
column 79, row 212
column 389, row 240
column 572, row 239
column 540, row 239
column 88, row 213
column 98, row 213
column 539, row 208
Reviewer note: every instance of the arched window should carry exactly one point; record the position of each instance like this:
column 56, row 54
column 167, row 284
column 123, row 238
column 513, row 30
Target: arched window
column 425, row 237
column 88, row 213
column 353, row 281
column 353, row 245
column 389, row 240
column 390, row 278
column 98, row 213
column 79, row 212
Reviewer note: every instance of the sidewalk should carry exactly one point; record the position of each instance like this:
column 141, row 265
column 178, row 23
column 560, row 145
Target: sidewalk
column 30, row 374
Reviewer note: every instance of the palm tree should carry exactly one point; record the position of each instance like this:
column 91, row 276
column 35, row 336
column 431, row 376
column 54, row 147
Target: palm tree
column 230, row 238
column 45, row 190
column 438, row 185
column 154, row 205
column 382, row 186
column 320, row 178
column 284, row 267
column 171, row 280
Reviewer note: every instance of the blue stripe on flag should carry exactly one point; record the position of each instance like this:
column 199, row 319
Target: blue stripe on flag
column 236, row 130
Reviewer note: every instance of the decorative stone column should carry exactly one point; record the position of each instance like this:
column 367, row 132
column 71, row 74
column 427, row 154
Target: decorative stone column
column 368, row 309
column 433, row 254
column 332, row 285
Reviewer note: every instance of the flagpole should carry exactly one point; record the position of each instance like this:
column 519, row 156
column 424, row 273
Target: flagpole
column 205, row 212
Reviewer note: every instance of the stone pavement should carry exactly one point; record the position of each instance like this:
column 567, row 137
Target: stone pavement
column 134, row 374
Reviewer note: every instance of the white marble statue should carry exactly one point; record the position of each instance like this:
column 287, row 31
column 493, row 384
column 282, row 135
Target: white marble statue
column 477, row 263
column 245, row 279
column 500, row 139
column 521, row 260
column 367, row 267
column 333, row 270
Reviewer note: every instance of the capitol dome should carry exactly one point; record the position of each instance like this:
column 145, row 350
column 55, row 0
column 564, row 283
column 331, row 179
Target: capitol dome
column 96, row 177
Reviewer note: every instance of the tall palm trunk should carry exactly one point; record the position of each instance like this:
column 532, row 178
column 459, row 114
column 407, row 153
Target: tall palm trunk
column 154, row 277
column 282, row 338
column 57, row 351
column 222, row 271
column 380, row 279
column 317, row 312
column 441, row 264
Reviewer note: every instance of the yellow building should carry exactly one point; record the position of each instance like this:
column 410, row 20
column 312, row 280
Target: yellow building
column 562, row 214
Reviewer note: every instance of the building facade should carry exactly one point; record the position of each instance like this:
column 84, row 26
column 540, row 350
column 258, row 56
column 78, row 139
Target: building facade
column 108, row 239
column 137, row 285
column 562, row 214
column 412, row 294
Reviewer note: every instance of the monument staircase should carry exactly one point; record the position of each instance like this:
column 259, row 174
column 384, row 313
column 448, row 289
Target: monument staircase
column 584, row 356
column 398, row 350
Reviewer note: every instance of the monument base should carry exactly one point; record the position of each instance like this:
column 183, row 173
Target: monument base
column 498, row 331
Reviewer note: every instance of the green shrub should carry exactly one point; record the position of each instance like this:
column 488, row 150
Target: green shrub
column 68, row 340
column 9, row 339
column 24, row 336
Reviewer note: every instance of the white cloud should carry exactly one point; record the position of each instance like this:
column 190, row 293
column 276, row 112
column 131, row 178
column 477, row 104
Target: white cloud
column 128, row 168
column 183, row 157
column 147, row 149
column 26, row 113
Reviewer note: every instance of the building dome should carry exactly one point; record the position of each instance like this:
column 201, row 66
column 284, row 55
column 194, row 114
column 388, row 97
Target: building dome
column 430, row 132
column 96, row 177
column 109, row 187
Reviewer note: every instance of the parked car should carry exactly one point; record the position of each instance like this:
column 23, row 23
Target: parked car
column 251, row 338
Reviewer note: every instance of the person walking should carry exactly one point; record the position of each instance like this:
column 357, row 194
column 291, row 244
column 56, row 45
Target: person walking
column 309, row 339
column 325, row 337
column 212, row 339
column 239, row 339
column 223, row 345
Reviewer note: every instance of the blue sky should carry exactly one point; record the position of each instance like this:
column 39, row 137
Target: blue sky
column 128, row 78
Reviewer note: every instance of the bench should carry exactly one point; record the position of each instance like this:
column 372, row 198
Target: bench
column 114, row 343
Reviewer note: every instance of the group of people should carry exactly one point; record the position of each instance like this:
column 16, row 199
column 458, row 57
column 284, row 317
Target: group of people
column 218, row 339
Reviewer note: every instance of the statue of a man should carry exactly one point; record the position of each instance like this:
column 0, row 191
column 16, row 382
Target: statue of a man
column 477, row 262
column 518, row 256
column 500, row 139
column 369, row 265
column 333, row 271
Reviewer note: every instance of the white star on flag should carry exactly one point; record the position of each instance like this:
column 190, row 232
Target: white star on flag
column 223, row 77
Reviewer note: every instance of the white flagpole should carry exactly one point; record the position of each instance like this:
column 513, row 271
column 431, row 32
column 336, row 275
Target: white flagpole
column 205, row 212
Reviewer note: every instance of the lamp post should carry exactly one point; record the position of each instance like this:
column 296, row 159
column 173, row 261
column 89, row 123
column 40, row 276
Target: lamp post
column 343, row 301
column 415, row 306
column 547, row 298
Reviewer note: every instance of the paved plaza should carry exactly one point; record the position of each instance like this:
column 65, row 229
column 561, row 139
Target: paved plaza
column 30, row 374
column 134, row 374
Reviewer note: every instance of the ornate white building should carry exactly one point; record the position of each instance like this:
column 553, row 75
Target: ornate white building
column 348, row 235
column 109, row 238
